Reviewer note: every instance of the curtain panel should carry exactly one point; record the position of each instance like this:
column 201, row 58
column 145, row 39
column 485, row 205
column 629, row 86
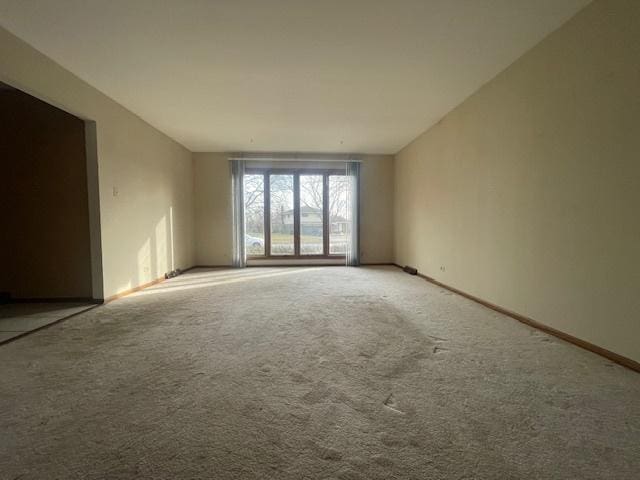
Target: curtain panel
column 237, row 190
column 353, row 212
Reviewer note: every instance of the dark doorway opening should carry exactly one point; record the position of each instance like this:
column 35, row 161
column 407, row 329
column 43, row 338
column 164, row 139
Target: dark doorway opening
column 46, row 249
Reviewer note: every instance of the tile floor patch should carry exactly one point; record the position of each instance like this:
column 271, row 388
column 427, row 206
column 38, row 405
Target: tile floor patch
column 19, row 318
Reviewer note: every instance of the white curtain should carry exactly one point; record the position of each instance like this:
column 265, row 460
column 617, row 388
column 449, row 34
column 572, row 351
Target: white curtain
column 237, row 190
column 353, row 214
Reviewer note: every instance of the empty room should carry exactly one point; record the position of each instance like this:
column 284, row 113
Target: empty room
column 334, row 240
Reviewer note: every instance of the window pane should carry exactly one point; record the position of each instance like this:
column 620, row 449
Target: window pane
column 281, row 214
column 338, row 217
column 311, row 214
column 254, row 214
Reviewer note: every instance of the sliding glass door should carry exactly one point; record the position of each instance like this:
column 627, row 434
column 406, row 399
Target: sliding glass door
column 296, row 214
column 254, row 214
column 312, row 214
column 281, row 214
column 339, row 227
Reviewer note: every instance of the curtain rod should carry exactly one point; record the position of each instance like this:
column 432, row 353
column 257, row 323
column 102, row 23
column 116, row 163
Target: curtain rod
column 293, row 158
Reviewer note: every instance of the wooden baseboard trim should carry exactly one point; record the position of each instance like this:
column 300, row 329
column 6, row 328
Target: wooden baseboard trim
column 134, row 289
column 614, row 357
column 207, row 266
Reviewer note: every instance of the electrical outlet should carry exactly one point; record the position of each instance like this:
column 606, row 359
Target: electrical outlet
column 115, row 191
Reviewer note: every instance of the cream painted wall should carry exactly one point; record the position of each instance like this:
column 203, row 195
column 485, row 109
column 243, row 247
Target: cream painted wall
column 213, row 220
column 213, row 209
column 527, row 194
column 147, row 226
column 376, row 209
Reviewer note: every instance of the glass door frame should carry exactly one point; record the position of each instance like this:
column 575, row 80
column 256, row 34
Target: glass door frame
column 326, row 221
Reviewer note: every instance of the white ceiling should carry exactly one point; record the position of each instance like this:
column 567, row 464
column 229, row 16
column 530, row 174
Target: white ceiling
column 287, row 75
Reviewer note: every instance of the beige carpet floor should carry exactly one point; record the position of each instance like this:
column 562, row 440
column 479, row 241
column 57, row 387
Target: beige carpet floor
column 310, row 373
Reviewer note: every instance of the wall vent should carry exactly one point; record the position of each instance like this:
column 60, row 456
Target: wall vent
column 410, row 270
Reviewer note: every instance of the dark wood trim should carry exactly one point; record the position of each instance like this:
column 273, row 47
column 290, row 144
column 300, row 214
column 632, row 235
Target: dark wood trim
column 297, row 257
column 614, row 357
column 296, row 215
column 267, row 214
column 326, row 219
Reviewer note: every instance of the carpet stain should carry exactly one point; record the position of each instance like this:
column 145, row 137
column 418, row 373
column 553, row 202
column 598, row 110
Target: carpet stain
column 319, row 393
column 392, row 404
column 331, row 454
